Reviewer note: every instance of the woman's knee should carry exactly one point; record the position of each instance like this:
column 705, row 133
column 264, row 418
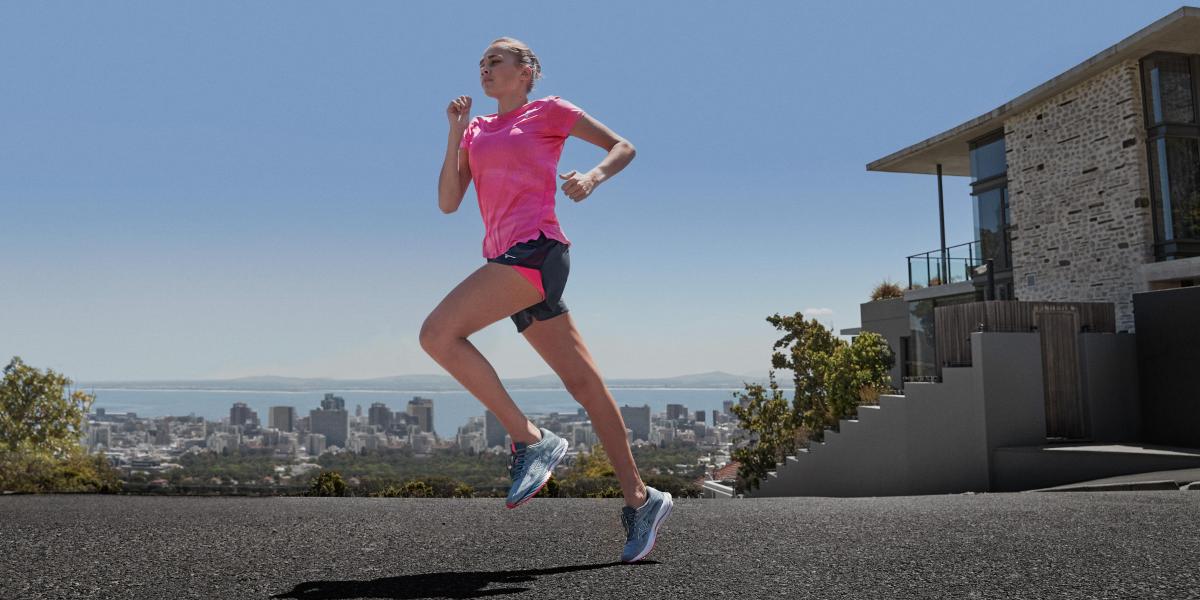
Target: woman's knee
column 435, row 335
column 585, row 385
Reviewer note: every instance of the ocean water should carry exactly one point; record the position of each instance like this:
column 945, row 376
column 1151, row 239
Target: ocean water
column 450, row 409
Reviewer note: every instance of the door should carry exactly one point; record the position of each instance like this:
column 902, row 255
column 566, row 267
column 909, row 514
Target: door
column 1059, row 327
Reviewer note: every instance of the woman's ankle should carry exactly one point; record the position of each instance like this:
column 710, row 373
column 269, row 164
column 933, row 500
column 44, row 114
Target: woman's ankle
column 639, row 498
column 532, row 435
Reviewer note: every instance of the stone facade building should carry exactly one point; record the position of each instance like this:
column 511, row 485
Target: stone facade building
column 1080, row 189
column 1085, row 189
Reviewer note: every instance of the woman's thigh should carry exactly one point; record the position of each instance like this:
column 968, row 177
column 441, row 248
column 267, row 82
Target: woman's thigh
column 491, row 293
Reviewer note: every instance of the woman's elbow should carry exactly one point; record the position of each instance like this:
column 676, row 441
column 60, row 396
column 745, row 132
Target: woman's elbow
column 632, row 150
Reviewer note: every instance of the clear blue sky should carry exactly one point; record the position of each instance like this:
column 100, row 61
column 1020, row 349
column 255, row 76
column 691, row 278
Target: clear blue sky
column 219, row 189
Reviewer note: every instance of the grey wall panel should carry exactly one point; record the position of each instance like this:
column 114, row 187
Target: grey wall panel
column 1168, row 345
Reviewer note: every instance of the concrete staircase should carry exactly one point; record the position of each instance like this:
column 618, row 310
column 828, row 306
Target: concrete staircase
column 983, row 428
column 935, row 439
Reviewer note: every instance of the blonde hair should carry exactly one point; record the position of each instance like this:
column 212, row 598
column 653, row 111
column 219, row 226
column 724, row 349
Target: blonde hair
column 524, row 55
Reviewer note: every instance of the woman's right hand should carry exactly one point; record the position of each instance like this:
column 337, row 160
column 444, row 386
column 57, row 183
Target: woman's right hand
column 459, row 113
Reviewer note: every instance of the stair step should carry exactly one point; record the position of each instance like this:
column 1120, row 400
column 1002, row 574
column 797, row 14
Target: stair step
column 772, row 474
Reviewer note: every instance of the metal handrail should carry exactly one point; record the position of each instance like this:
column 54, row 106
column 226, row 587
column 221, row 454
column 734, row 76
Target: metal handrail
column 933, row 268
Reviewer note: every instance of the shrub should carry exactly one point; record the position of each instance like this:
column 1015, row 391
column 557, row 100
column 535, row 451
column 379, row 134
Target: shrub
column 327, row 483
column 885, row 290
column 41, row 473
column 676, row 486
column 415, row 488
column 463, row 490
column 829, row 376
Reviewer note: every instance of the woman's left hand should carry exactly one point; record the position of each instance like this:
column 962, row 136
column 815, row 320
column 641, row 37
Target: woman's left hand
column 577, row 187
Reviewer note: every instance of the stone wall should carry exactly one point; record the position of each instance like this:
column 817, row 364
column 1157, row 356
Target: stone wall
column 1080, row 196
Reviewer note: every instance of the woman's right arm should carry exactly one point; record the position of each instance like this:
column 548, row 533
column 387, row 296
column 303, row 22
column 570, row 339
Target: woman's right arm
column 456, row 169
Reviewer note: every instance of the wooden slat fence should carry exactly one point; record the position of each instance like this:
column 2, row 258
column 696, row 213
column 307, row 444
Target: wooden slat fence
column 954, row 324
column 1060, row 324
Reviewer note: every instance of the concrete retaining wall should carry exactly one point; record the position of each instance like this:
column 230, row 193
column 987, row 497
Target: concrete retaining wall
column 936, row 439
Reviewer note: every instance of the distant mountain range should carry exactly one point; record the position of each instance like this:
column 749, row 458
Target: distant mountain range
column 433, row 383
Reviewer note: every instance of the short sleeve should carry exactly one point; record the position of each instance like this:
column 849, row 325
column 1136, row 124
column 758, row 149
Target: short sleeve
column 468, row 134
column 563, row 115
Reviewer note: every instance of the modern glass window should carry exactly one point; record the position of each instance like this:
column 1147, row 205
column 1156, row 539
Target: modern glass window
column 991, row 225
column 987, row 158
column 1175, row 169
column 989, row 188
column 1171, row 90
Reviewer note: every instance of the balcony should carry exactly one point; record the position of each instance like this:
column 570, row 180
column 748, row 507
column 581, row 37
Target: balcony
column 932, row 268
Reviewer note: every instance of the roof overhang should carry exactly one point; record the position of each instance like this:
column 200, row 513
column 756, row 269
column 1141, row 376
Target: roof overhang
column 1176, row 32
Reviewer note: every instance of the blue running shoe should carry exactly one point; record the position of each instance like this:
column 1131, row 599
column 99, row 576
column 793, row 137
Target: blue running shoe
column 641, row 525
column 530, row 466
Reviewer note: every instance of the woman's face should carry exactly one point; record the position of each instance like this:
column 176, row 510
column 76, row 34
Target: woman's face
column 500, row 75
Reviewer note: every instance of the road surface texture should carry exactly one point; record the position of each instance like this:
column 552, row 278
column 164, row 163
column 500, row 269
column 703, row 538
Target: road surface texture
column 1132, row 544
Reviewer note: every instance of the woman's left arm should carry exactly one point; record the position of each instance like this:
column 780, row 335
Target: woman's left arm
column 620, row 153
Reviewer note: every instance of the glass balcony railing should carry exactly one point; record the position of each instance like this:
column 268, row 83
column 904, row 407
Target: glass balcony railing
column 932, row 268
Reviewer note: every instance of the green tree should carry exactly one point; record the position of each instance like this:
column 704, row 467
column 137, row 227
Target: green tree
column 808, row 352
column 36, row 414
column 327, row 483
column 593, row 464
column 831, row 376
column 773, row 426
column 40, row 427
column 416, row 488
column 591, row 476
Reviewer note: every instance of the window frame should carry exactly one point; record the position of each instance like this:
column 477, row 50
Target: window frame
column 991, row 182
column 1165, row 249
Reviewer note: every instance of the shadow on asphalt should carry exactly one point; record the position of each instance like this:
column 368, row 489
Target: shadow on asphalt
column 450, row 584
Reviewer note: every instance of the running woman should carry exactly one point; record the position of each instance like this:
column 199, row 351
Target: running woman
column 512, row 157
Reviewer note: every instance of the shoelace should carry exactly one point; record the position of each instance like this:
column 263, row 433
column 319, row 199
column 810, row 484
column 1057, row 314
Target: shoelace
column 516, row 460
column 628, row 519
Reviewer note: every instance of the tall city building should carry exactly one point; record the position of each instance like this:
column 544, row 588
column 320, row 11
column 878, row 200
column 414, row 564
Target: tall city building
column 422, row 410
column 334, row 424
column 282, row 418
column 315, row 444
column 493, row 430
column 637, row 420
column 241, row 414
column 332, row 402
column 379, row 415
column 676, row 411
column 358, row 410
column 699, row 416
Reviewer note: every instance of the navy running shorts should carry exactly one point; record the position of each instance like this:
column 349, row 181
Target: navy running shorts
column 545, row 262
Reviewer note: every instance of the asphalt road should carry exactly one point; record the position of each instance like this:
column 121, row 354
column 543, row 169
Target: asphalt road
column 1030, row 545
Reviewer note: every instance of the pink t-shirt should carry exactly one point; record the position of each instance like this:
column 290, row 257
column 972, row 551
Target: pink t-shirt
column 513, row 158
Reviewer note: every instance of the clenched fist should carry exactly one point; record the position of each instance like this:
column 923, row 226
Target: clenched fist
column 577, row 187
column 459, row 113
